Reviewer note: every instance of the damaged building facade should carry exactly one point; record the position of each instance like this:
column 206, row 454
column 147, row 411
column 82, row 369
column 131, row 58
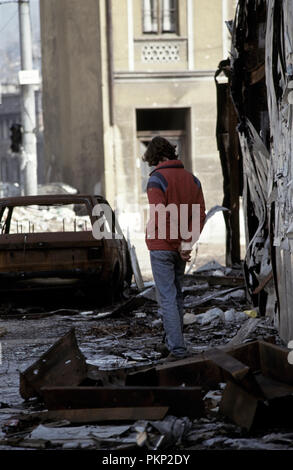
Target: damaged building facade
column 260, row 80
column 10, row 163
column 115, row 74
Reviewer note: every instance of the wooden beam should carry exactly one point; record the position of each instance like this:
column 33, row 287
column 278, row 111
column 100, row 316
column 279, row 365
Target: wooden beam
column 181, row 401
column 198, row 370
column 238, row 405
column 94, row 415
column 236, row 371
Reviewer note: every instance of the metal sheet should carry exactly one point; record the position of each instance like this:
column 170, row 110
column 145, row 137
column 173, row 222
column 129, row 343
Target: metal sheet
column 62, row 364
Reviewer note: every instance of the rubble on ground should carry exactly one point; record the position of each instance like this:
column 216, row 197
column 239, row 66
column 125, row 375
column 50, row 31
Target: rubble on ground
column 118, row 345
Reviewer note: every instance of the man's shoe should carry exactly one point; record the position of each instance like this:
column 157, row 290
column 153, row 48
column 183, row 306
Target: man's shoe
column 172, row 358
column 162, row 349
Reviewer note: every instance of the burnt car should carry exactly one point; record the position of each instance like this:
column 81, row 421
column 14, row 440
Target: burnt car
column 48, row 241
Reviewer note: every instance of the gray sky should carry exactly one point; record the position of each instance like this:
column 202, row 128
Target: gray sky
column 9, row 22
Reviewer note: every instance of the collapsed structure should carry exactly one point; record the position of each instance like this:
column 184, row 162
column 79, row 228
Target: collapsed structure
column 260, row 82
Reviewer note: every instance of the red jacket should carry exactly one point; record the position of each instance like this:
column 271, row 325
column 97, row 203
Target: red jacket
column 170, row 183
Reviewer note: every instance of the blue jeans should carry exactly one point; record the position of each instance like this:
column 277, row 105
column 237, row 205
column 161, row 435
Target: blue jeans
column 168, row 271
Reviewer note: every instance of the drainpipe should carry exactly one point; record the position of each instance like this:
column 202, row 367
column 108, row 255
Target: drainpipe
column 110, row 59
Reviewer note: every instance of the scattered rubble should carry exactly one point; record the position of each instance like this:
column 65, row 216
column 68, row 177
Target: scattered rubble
column 117, row 381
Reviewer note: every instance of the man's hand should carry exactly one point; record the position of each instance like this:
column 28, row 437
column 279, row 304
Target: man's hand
column 185, row 255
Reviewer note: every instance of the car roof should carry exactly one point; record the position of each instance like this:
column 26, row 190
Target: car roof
column 48, row 199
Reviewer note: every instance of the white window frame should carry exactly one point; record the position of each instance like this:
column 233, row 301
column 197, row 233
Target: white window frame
column 160, row 16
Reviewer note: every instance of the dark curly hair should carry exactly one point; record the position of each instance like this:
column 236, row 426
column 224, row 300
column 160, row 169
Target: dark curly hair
column 158, row 149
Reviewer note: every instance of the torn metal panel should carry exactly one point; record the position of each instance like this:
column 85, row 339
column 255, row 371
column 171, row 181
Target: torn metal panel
column 251, row 98
column 279, row 76
column 261, row 87
column 62, row 364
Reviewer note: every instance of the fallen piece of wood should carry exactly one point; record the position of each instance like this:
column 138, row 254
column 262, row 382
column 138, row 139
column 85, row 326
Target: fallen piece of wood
column 234, row 369
column 181, row 401
column 250, row 412
column 62, row 364
column 238, row 405
column 270, row 359
column 196, row 370
column 93, row 415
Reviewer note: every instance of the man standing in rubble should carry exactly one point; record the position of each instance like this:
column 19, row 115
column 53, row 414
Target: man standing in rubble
column 171, row 187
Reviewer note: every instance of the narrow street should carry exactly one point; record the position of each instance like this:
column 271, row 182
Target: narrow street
column 122, row 344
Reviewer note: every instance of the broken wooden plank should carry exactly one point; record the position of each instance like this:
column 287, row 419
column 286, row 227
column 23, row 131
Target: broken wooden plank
column 237, row 371
column 62, row 364
column 94, row 415
column 182, row 401
column 196, row 370
column 230, row 366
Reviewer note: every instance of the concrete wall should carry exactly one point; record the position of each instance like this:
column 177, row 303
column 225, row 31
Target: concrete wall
column 72, row 95
column 81, row 146
column 199, row 96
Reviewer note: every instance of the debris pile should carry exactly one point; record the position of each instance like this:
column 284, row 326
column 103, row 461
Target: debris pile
column 113, row 391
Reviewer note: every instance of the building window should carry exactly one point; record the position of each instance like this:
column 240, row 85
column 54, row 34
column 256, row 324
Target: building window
column 160, row 16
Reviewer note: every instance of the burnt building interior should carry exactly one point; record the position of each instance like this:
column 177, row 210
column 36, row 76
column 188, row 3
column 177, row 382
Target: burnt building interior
column 255, row 153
